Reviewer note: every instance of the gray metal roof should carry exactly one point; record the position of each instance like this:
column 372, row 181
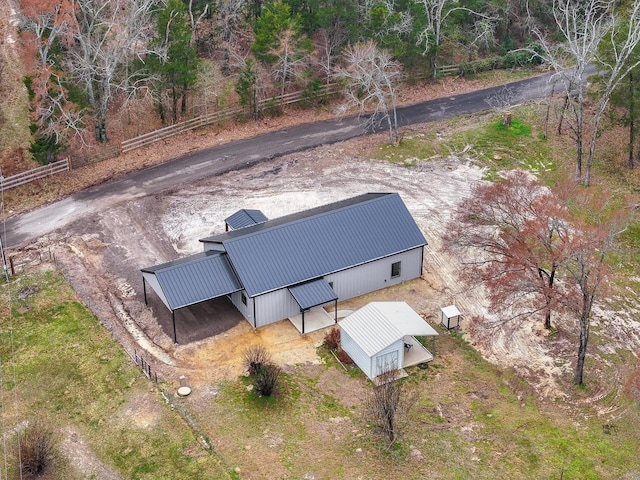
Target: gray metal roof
column 314, row 293
column 195, row 279
column 296, row 248
column 245, row 218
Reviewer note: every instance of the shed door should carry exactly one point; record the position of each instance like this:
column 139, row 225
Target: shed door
column 386, row 362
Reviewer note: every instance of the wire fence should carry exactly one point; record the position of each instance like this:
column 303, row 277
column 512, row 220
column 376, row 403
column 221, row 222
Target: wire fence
column 145, row 366
column 25, row 261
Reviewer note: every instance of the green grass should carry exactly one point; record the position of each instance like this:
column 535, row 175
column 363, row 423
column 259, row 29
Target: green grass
column 69, row 370
column 484, row 139
column 471, row 419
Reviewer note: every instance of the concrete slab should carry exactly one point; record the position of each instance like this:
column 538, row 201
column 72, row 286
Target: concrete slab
column 314, row 319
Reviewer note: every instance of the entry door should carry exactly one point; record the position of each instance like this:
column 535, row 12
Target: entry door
column 387, row 362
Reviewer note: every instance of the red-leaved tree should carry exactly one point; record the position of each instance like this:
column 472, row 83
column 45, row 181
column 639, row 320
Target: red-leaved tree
column 515, row 238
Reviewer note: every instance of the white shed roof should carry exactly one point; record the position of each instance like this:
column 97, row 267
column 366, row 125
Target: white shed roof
column 379, row 324
column 450, row 311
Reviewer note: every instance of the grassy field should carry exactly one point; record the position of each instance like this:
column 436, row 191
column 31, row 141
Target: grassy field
column 61, row 366
column 471, row 419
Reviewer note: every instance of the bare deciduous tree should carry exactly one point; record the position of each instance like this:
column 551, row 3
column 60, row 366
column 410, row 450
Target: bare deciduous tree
column 434, row 19
column 289, row 59
column 108, row 35
column 327, row 45
column 388, row 404
column 370, row 76
column 583, row 26
column 615, row 67
column 47, row 25
column 228, row 20
column 393, row 22
column 587, row 264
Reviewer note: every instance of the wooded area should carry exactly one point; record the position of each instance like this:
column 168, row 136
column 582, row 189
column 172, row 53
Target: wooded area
column 86, row 61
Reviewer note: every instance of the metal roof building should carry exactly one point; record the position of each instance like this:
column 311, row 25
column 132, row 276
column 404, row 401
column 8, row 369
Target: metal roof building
column 379, row 337
column 244, row 218
column 289, row 265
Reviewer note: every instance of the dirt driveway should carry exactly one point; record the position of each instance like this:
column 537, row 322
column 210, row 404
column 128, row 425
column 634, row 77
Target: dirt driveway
column 102, row 256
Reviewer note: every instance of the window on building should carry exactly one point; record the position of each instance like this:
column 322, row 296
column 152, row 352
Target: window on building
column 395, row 269
column 243, row 297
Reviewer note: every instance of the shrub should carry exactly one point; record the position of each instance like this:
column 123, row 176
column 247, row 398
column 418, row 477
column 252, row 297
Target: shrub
column 332, row 339
column 266, row 379
column 37, row 447
column 255, row 358
column 273, row 108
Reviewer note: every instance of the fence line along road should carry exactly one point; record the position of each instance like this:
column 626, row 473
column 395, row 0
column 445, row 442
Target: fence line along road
column 215, row 117
column 35, row 174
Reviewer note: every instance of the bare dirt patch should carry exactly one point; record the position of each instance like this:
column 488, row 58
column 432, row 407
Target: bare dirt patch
column 83, row 459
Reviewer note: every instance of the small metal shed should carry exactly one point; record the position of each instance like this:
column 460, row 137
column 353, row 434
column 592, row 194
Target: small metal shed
column 381, row 336
column 450, row 317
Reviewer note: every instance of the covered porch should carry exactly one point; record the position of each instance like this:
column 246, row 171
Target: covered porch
column 414, row 352
column 312, row 320
column 310, row 296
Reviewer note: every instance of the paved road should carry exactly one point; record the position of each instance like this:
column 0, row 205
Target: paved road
column 240, row 154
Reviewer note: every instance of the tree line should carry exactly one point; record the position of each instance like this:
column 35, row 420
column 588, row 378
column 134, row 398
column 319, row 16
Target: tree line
column 86, row 57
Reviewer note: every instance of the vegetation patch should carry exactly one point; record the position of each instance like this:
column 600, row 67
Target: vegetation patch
column 69, row 370
column 480, row 139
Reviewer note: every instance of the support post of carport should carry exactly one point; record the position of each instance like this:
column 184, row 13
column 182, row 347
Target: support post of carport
column 335, row 311
column 144, row 289
column 302, row 320
column 173, row 318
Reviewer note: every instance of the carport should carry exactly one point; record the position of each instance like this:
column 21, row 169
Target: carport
column 190, row 280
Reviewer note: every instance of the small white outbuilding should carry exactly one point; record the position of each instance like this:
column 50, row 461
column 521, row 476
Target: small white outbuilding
column 450, row 317
column 381, row 336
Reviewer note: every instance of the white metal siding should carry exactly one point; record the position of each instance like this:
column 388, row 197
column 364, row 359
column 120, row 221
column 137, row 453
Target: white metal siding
column 245, row 310
column 356, row 353
column 275, row 306
column 395, row 351
column 152, row 281
column 376, row 275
